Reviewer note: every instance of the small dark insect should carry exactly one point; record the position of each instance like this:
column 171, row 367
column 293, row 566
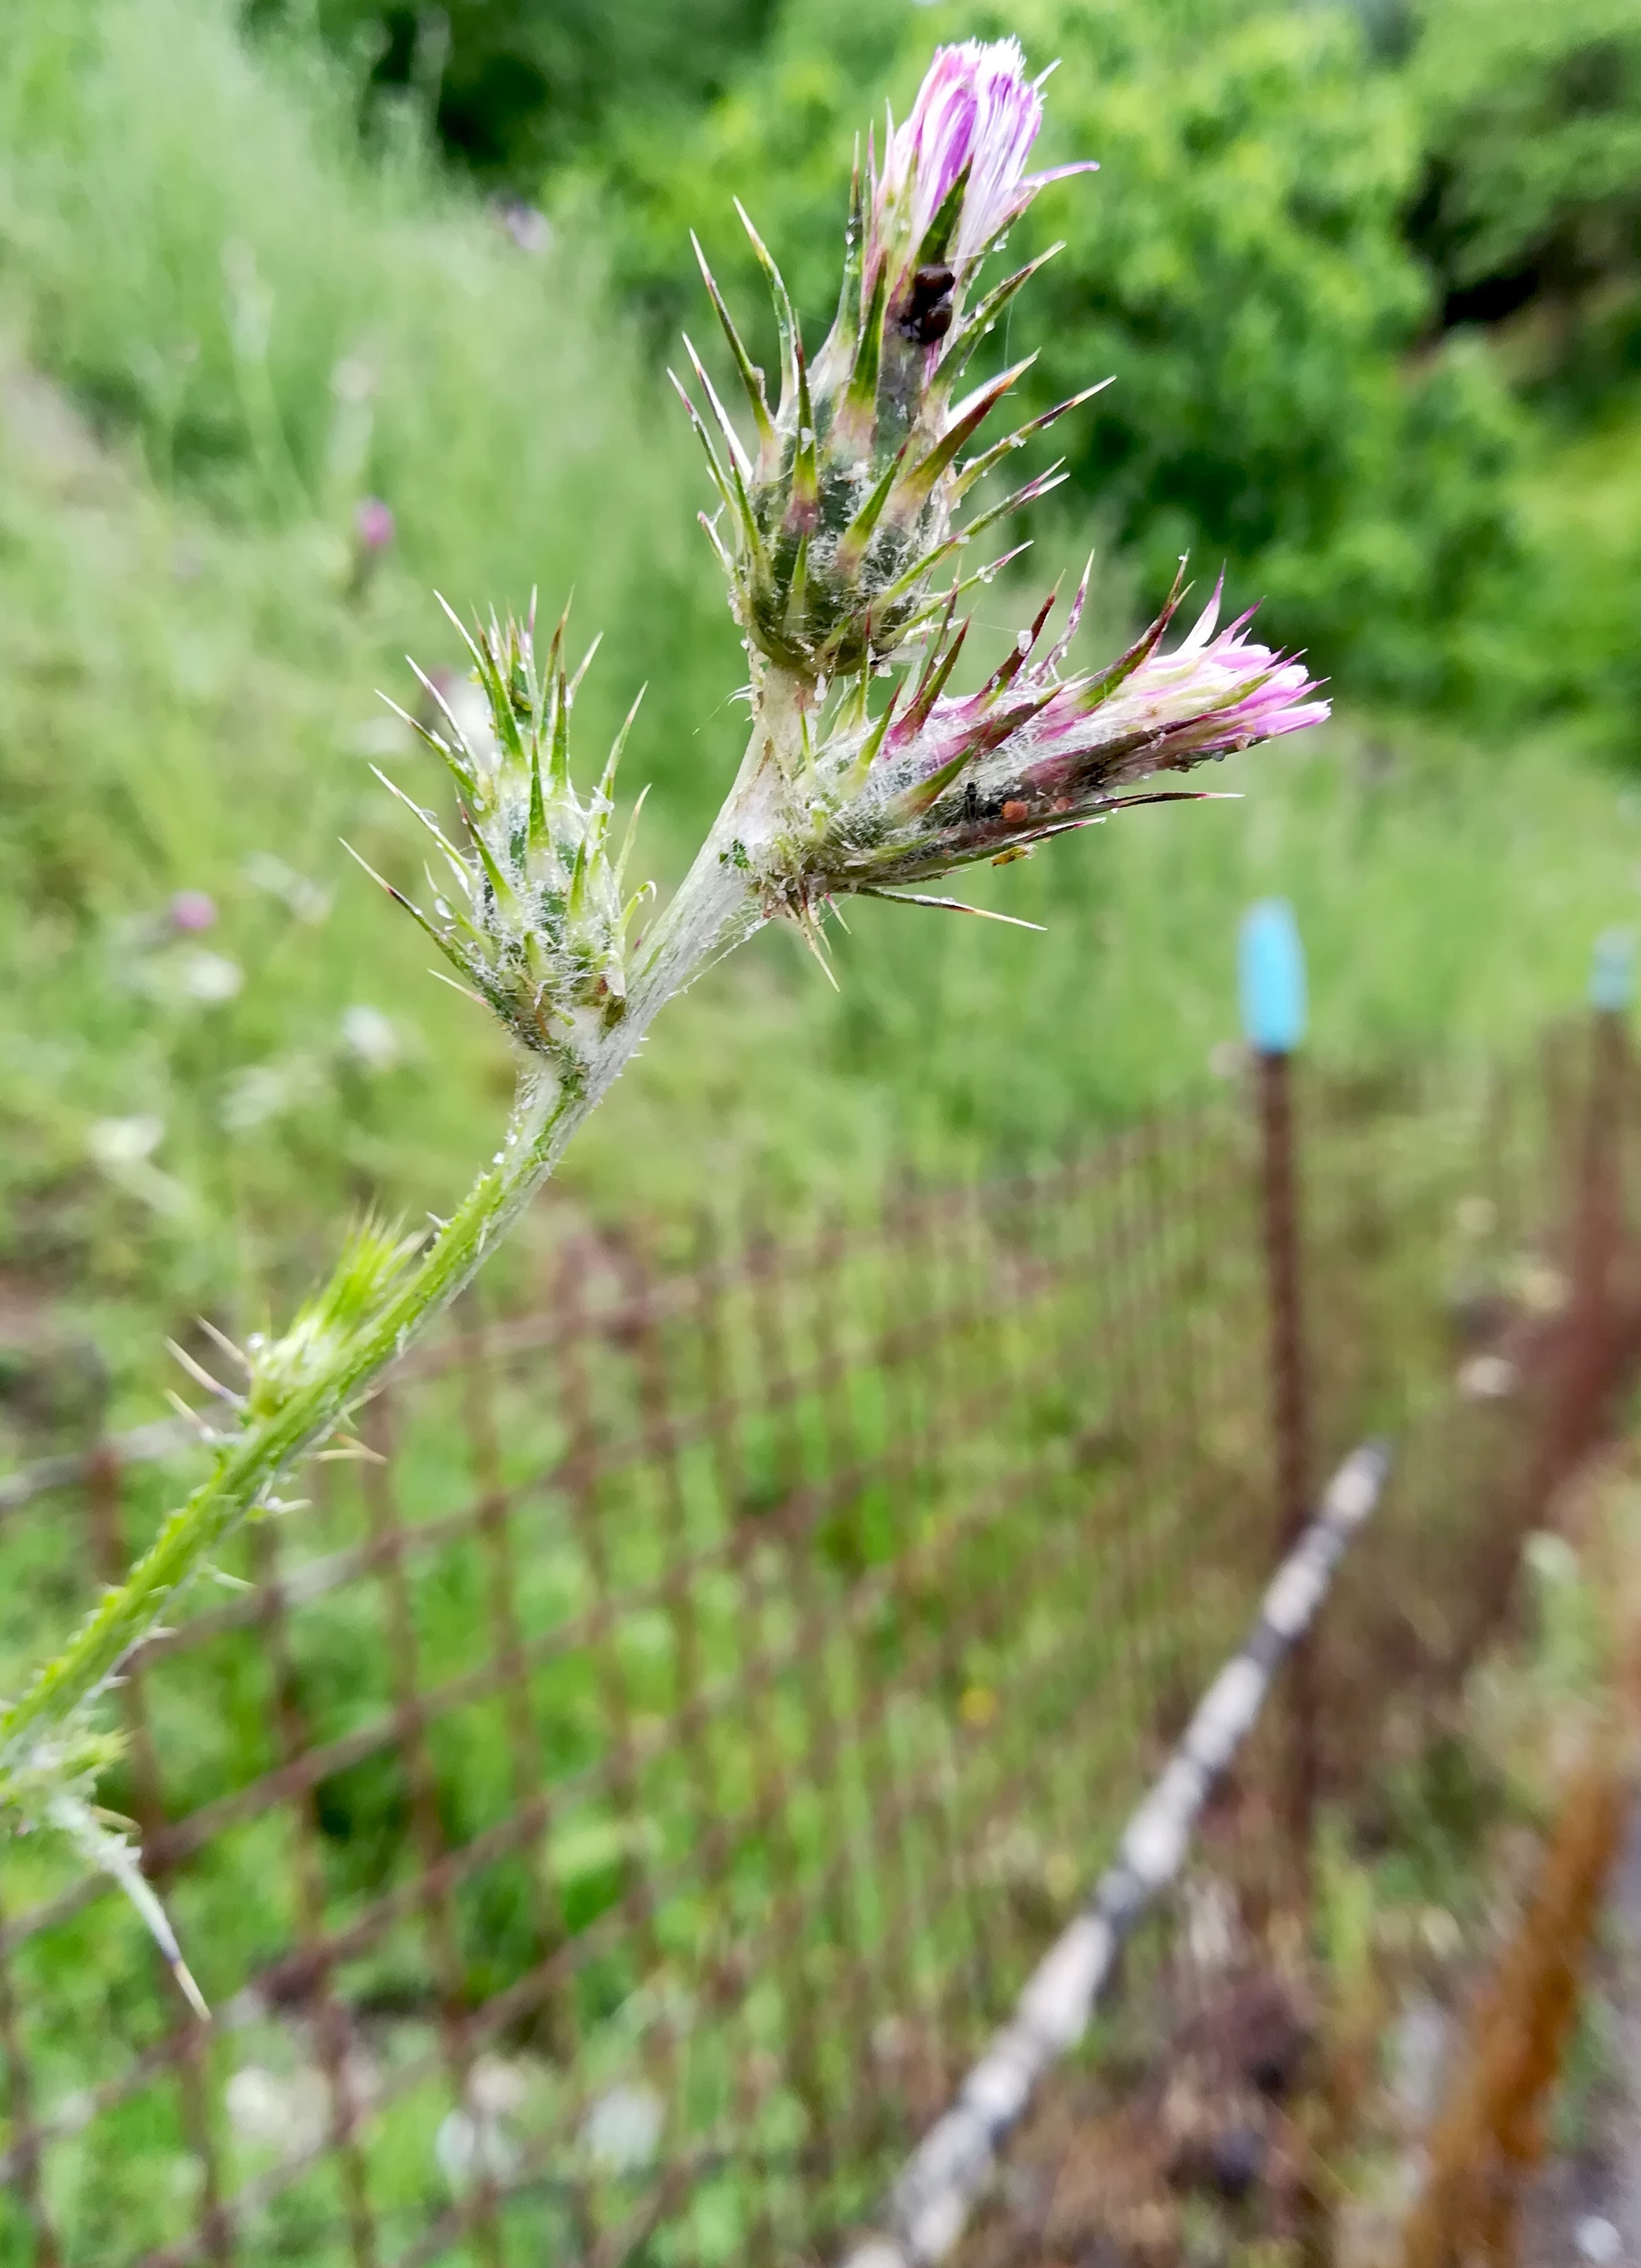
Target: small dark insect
column 976, row 806
column 927, row 316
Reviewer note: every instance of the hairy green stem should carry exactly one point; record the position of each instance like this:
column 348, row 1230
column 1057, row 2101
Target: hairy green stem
column 249, row 1467
column 712, row 912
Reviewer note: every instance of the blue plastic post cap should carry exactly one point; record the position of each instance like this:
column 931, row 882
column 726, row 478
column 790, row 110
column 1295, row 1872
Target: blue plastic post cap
column 1271, row 978
column 1612, row 971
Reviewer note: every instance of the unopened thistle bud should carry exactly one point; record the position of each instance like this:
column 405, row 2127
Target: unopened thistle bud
column 531, row 912
column 839, row 508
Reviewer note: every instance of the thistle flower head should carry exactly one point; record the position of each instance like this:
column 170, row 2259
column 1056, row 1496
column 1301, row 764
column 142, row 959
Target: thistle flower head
column 529, row 911
column 838, row 509
column 943, row 781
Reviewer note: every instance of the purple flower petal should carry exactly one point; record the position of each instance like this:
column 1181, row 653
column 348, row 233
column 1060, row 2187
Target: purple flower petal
column 975, row 109
column 1063, row 744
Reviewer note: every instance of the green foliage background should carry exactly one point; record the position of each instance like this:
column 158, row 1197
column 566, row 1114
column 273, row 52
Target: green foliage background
column 1365, row 281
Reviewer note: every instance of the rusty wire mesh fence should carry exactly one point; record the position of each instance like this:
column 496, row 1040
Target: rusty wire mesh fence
column 605, row 1828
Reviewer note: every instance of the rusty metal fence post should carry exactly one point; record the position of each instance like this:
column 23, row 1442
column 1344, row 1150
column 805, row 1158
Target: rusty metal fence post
column 1588, row 1340
column 1271, row 984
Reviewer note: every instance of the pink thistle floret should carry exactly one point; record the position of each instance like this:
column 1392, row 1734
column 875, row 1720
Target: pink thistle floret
column 1151, row 711
column 1033, row 753
column 975, row 109
column 1212, row 694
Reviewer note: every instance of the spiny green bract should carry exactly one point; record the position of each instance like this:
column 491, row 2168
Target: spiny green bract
column 533, row 915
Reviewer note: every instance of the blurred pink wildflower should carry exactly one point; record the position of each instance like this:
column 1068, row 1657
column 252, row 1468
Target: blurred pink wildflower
column 192, row 911
column 373, row 524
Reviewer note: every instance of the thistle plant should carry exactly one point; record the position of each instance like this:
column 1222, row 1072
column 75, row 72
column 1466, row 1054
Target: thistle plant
column 840, row 529
column 838, row 508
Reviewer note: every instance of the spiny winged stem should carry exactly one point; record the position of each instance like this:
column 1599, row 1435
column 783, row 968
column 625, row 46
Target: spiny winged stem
column 865, row 770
